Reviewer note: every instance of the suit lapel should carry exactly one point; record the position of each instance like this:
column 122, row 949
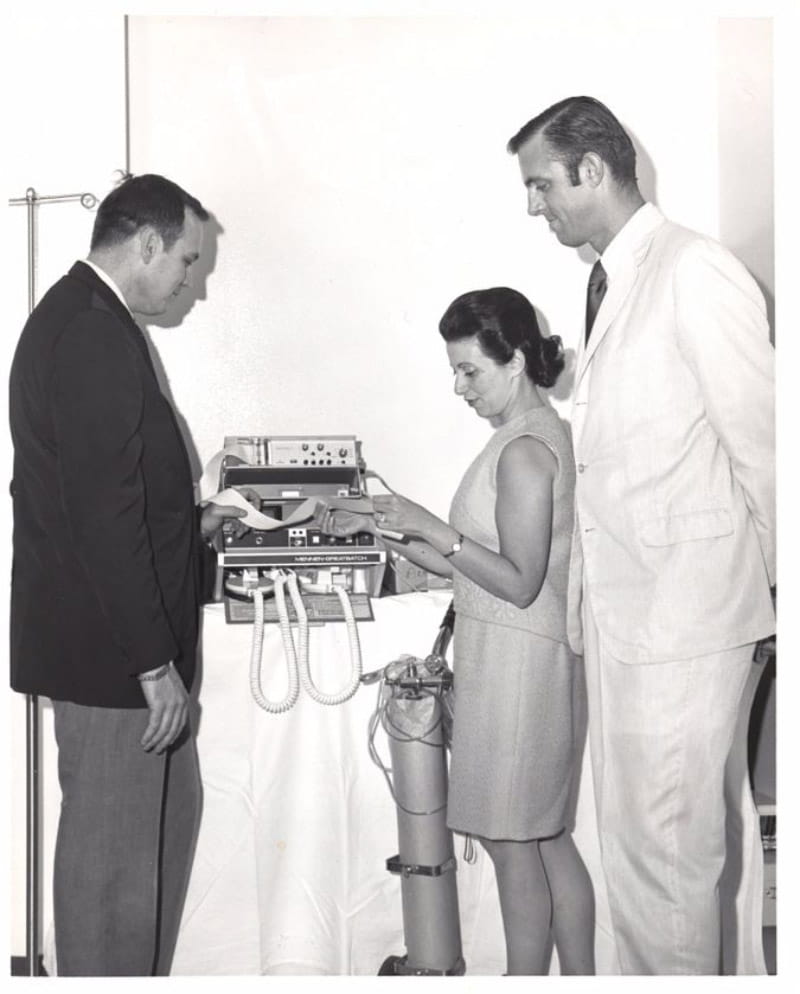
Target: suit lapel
column 620, row 285
column 618, row 289
column 87, row 275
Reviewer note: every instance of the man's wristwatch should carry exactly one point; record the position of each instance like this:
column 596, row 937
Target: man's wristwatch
column 457, row 546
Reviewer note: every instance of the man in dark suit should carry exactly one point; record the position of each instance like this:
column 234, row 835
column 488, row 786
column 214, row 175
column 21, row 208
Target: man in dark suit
column 106, row 582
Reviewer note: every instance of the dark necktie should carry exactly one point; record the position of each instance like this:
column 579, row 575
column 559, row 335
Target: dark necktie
column 594, row 295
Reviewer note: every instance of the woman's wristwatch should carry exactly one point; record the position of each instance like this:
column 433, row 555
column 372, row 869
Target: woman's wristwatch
column 457, row 546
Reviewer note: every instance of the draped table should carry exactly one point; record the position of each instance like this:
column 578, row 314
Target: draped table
column 289, row 875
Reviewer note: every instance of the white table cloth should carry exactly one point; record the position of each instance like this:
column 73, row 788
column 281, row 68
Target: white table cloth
column 289, row 875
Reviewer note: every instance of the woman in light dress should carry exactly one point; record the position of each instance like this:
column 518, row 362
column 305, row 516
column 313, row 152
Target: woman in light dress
column 506, row 546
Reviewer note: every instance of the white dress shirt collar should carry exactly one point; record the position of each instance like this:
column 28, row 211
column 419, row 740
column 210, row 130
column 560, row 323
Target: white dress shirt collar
column 109, row 282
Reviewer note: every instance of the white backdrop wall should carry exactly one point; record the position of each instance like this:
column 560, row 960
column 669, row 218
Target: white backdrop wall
column 746, row 146
column 357, row 171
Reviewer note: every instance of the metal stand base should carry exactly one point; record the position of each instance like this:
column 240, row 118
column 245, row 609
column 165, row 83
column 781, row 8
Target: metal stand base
column 20, row 967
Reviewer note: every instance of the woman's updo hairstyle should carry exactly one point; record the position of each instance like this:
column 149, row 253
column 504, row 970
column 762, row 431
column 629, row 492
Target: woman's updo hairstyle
column 503, row 320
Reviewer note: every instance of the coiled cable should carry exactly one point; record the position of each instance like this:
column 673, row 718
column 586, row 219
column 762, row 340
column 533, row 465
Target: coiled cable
column 355, row 648
column 297, row 656
column 293, row 688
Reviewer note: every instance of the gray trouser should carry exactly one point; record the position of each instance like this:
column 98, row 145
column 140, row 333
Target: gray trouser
column 126, row 837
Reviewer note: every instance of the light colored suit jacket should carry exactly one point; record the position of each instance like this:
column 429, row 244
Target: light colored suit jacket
column 673, row 428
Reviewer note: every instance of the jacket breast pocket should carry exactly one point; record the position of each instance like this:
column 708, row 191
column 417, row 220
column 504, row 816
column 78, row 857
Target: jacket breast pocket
column 669, row 529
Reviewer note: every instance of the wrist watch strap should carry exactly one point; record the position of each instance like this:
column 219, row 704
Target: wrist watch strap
column 457, row 546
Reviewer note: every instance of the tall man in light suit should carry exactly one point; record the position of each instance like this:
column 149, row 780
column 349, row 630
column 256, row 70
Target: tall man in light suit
column 674, row 546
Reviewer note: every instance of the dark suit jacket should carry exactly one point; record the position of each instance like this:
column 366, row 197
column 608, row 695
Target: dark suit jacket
column 105, row 571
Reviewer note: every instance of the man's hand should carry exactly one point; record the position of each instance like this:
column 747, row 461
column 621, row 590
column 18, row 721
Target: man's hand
column 168, row 702
column 215, row 515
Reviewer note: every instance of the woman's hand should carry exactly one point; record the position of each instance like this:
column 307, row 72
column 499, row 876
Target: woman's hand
column 399, row 514
column 341, row 523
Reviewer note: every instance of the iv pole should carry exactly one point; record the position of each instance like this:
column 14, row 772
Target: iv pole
column 32, row 786
column 32, row 790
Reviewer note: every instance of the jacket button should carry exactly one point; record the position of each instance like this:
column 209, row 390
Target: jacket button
column 581, row 467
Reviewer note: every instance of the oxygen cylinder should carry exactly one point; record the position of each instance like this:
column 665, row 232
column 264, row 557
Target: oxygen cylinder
column 413, row 720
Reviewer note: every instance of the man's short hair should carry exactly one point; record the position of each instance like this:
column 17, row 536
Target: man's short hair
column 142, row 201
column 578, row 125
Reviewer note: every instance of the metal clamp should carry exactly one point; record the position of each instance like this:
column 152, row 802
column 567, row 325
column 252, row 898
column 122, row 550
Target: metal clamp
column 394, row 865
column 399, row 966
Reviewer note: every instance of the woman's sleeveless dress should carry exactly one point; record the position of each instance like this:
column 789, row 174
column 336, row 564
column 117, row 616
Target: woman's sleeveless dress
column 516, row 680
